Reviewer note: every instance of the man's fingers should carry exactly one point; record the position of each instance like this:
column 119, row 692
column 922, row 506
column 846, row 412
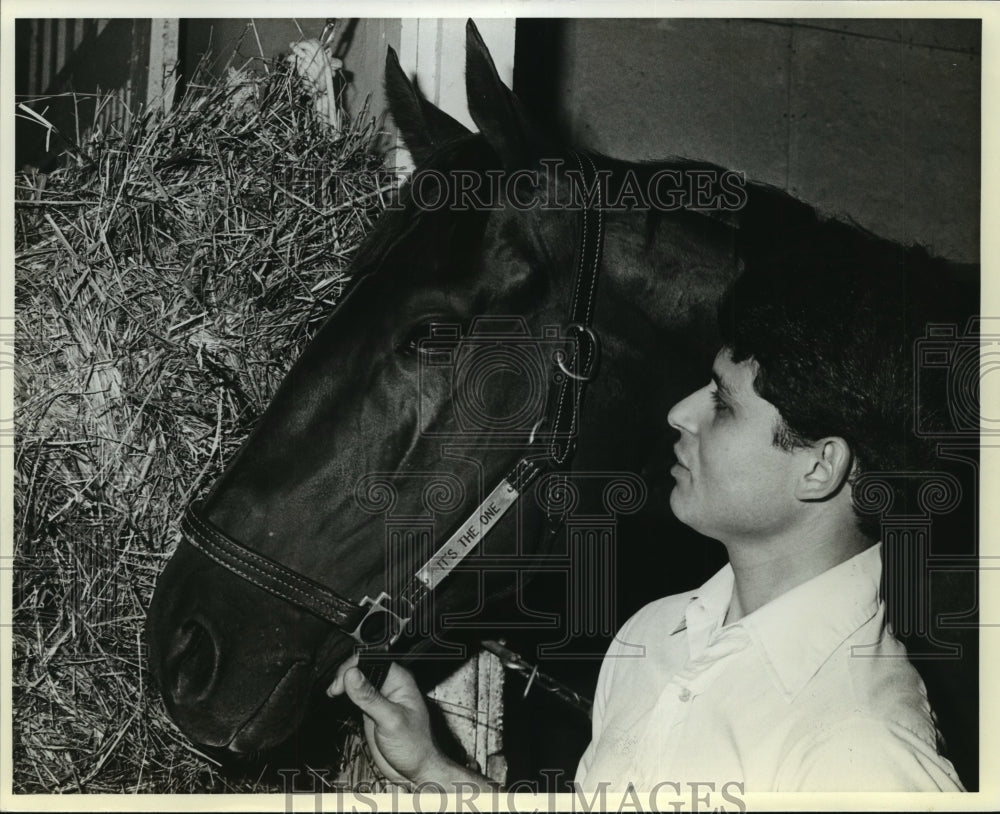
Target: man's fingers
column 400, row 686
column 337, row 687
column 370, row 700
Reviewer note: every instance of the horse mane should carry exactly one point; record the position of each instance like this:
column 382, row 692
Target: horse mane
column 772, row 217
column 771, row 223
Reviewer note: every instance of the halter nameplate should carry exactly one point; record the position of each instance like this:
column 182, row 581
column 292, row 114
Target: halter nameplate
column 476, row 526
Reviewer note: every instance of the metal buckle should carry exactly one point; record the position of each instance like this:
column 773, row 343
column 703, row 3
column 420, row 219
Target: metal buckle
column 381, row 626
column 591, row 366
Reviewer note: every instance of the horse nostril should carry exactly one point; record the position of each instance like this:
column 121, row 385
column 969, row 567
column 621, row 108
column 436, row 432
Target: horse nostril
column 192, row 662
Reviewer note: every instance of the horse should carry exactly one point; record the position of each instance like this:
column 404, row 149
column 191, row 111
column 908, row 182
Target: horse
column 526, row 313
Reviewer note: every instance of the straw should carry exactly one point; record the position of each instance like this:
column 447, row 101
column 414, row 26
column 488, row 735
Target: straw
column 167, row 276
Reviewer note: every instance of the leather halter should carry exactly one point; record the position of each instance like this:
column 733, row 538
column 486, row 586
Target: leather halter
column 377, row 623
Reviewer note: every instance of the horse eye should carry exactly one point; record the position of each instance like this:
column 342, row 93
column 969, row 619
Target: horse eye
column 410, row 346
column 430, row 338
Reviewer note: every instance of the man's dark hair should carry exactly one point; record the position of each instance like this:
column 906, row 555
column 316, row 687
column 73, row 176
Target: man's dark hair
column 830, row 314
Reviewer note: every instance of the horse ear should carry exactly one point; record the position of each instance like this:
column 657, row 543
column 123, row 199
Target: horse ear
column 423, row 126
column 494, row 108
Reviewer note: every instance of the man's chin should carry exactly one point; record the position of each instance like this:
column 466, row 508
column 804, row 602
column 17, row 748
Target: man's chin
column 677, row 504
column 684, row 511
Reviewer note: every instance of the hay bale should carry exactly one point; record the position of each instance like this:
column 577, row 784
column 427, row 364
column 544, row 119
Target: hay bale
column 167, row 276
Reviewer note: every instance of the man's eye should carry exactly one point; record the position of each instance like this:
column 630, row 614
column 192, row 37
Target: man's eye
column 718, row 403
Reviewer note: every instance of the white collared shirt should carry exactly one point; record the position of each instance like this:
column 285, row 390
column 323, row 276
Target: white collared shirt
column 808, row 693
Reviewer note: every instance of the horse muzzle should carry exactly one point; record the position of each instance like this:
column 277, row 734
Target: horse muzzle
column 235, row 666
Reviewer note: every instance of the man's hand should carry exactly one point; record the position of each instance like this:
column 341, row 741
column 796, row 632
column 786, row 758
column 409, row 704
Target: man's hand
column 397, row 728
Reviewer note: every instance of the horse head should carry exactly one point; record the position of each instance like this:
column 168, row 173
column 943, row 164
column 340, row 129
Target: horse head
column 441, row 369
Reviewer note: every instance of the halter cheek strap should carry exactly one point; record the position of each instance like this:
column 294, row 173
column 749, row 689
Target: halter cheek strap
column 377, row 623
column 581, row 316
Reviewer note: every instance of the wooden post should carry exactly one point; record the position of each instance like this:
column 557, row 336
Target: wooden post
column 163, row 56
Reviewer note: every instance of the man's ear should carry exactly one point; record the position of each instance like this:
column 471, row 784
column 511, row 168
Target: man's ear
column 829, row 463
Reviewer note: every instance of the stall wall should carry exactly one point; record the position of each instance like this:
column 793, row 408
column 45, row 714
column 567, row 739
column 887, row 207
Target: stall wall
column 877, row 120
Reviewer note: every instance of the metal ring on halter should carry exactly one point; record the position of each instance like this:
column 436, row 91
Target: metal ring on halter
column 381, row 625
column 560, row 357
column 535, row 429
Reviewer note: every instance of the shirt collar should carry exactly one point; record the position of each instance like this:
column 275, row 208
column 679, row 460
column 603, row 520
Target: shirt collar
column 799, row 630
column 706, row 609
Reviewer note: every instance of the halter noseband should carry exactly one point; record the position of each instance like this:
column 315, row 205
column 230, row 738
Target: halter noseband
column 377, row 623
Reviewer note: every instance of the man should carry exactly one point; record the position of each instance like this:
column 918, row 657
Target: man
column 780, row 672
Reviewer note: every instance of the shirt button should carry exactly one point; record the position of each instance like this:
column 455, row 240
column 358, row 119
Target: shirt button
column 685, row 694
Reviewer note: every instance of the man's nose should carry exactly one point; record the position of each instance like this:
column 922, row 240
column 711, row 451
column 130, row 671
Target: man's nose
column 683, row 415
